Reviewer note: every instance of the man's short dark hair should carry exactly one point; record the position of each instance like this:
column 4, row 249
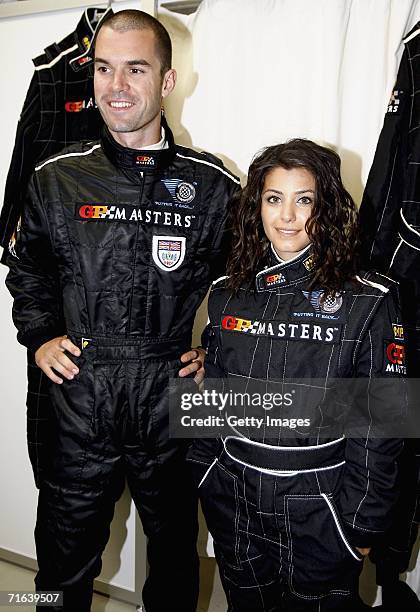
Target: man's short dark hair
column 132, row 19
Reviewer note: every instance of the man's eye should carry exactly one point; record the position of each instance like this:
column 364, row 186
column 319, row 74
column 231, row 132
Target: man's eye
column 102, row 69
column 136, row 71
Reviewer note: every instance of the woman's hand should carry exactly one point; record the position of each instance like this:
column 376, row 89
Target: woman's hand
column 195, row 357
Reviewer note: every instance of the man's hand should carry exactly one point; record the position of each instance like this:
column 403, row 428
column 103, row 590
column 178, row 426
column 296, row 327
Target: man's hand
column 195, row 357
column 51, row 355
column 363, row 551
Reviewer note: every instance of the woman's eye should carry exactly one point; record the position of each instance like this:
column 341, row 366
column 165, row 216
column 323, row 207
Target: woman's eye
column 273, row 199
column 304, row 201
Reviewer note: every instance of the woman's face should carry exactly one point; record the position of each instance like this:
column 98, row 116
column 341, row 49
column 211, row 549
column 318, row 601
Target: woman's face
column 286, row 204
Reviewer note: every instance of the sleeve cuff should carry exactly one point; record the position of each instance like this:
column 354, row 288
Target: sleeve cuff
column 36, row 338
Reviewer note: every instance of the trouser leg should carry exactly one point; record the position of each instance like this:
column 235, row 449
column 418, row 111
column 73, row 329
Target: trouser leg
column 278, row 543
column 167, row 507
column 71, row 533
column 78, row 492
column 161, row 486
column 248, row 545
column 393, row 554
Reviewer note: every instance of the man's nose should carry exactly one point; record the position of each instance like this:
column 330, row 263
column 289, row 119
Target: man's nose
column 120, row 82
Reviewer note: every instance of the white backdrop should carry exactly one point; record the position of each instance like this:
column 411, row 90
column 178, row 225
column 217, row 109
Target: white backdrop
column 256, row 72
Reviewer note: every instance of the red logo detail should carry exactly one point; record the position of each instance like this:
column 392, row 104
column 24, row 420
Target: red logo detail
column 145, row 160
column 74, row 107
column 84, row 60
column 229, row 322
column 88, row 211
column 395, row 353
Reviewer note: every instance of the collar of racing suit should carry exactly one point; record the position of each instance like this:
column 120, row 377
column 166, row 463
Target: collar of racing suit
column 144, row 160
column 278, row 273
column 84, row 35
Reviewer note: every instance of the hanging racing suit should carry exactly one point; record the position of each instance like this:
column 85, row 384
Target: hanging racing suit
column 390, row 221
column 59, row 110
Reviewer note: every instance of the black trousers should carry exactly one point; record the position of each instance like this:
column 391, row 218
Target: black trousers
column 110, row 424
column 277, row 538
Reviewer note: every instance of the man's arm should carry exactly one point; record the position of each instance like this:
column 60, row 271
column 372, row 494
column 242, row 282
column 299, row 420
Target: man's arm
column 33, row 282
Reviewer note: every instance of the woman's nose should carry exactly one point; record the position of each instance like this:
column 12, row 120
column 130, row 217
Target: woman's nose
column 287, row 211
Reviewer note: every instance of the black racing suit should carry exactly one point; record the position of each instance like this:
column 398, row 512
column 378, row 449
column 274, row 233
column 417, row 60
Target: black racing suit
column 117, row 249
column 59, row 110
column 287, row 508
column 391, row 244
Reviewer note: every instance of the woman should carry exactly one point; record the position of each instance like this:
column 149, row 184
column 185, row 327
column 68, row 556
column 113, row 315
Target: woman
column 292, row 508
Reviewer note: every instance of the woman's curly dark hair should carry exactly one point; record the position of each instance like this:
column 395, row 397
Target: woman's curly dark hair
column 332, row 226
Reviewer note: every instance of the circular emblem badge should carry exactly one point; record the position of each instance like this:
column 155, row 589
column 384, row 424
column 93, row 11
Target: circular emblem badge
column 332, row 303
column 185, row 192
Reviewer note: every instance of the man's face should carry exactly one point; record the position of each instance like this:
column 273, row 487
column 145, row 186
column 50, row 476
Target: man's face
column 129, row 86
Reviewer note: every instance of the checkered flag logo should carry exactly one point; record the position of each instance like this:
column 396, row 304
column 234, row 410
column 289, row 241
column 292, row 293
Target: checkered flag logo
column 181, row 191
column 253, row 328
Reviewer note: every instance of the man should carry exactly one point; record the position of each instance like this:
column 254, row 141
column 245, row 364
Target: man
column 118, row 244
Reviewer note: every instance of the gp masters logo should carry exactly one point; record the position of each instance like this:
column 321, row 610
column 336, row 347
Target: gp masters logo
column 282, row 330
column 144, row 160
column 395, row 358
column 133, row 214
column 77, row 106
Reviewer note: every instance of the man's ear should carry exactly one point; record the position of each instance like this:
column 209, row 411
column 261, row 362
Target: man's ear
column 168, row 82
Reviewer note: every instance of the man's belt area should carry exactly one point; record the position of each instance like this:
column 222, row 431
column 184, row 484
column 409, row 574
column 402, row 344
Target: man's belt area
column 136, row 349
column 285, row 458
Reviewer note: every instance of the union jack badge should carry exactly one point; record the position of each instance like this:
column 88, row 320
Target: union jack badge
column 168, row 252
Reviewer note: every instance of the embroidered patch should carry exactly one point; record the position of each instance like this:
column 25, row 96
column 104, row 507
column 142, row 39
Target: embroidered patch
column 168, row 251
column 308, row 263
column 398, row 330
column 394, row 358
column 134, row 214
column 282, row 330
column 181, row 191
column 394, row 103
column 144, row 160
column 86, row 42
column 273, row 280
column 330, row 305
column 76, row 106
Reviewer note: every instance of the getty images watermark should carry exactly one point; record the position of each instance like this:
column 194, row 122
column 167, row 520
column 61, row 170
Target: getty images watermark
column 222, row 401
column 382, row 407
